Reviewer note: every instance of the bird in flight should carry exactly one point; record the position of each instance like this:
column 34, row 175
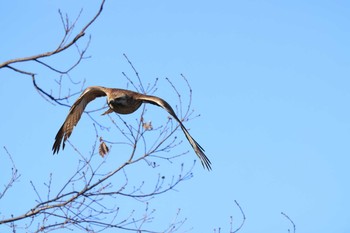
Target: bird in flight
column 123, row 102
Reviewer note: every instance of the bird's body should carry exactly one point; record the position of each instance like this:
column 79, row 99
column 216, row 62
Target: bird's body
column 123, row 102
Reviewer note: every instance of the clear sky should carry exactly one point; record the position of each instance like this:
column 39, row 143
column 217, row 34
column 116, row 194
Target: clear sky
column 270, row 80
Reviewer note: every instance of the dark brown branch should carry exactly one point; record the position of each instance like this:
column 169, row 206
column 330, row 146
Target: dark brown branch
column 47, row 95
column 18, row 70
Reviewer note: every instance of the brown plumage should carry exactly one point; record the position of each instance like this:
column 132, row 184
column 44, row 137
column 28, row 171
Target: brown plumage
column 122, row 102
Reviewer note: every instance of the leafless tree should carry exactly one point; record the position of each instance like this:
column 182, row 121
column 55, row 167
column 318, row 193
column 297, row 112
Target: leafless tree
column 81, row 202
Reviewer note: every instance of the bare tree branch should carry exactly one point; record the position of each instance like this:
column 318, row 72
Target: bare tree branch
column 290, row 220
column 14, row 175
column 65, row 44
column 243, row 220
column 232, row 230
column 72, row 206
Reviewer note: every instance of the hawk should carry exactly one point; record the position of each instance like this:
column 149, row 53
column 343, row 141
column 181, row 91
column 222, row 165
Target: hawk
column 123, row 102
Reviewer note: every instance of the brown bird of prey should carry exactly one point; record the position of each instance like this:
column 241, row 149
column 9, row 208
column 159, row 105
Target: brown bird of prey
column 122, row 102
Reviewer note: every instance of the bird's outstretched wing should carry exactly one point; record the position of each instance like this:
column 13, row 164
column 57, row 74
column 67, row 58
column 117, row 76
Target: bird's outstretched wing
column 74, row 115
column 162, row 103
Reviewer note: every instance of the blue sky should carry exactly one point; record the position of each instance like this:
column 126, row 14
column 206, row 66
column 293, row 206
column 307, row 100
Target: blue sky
column 270, row 80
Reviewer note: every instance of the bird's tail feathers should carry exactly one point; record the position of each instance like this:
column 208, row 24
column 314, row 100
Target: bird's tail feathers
column 198, row 149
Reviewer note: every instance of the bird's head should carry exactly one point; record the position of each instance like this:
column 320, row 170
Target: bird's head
column 121, row 100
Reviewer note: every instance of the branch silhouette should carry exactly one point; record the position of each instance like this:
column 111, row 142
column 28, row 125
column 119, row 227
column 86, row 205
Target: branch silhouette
column 62, row 46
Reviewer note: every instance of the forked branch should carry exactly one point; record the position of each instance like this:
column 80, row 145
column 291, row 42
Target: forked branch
column 63, row 45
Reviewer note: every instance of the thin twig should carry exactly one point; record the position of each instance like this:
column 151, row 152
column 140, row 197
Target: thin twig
column 136, row 73
column 14, row 175
column 243, row 220
column 290, row 220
